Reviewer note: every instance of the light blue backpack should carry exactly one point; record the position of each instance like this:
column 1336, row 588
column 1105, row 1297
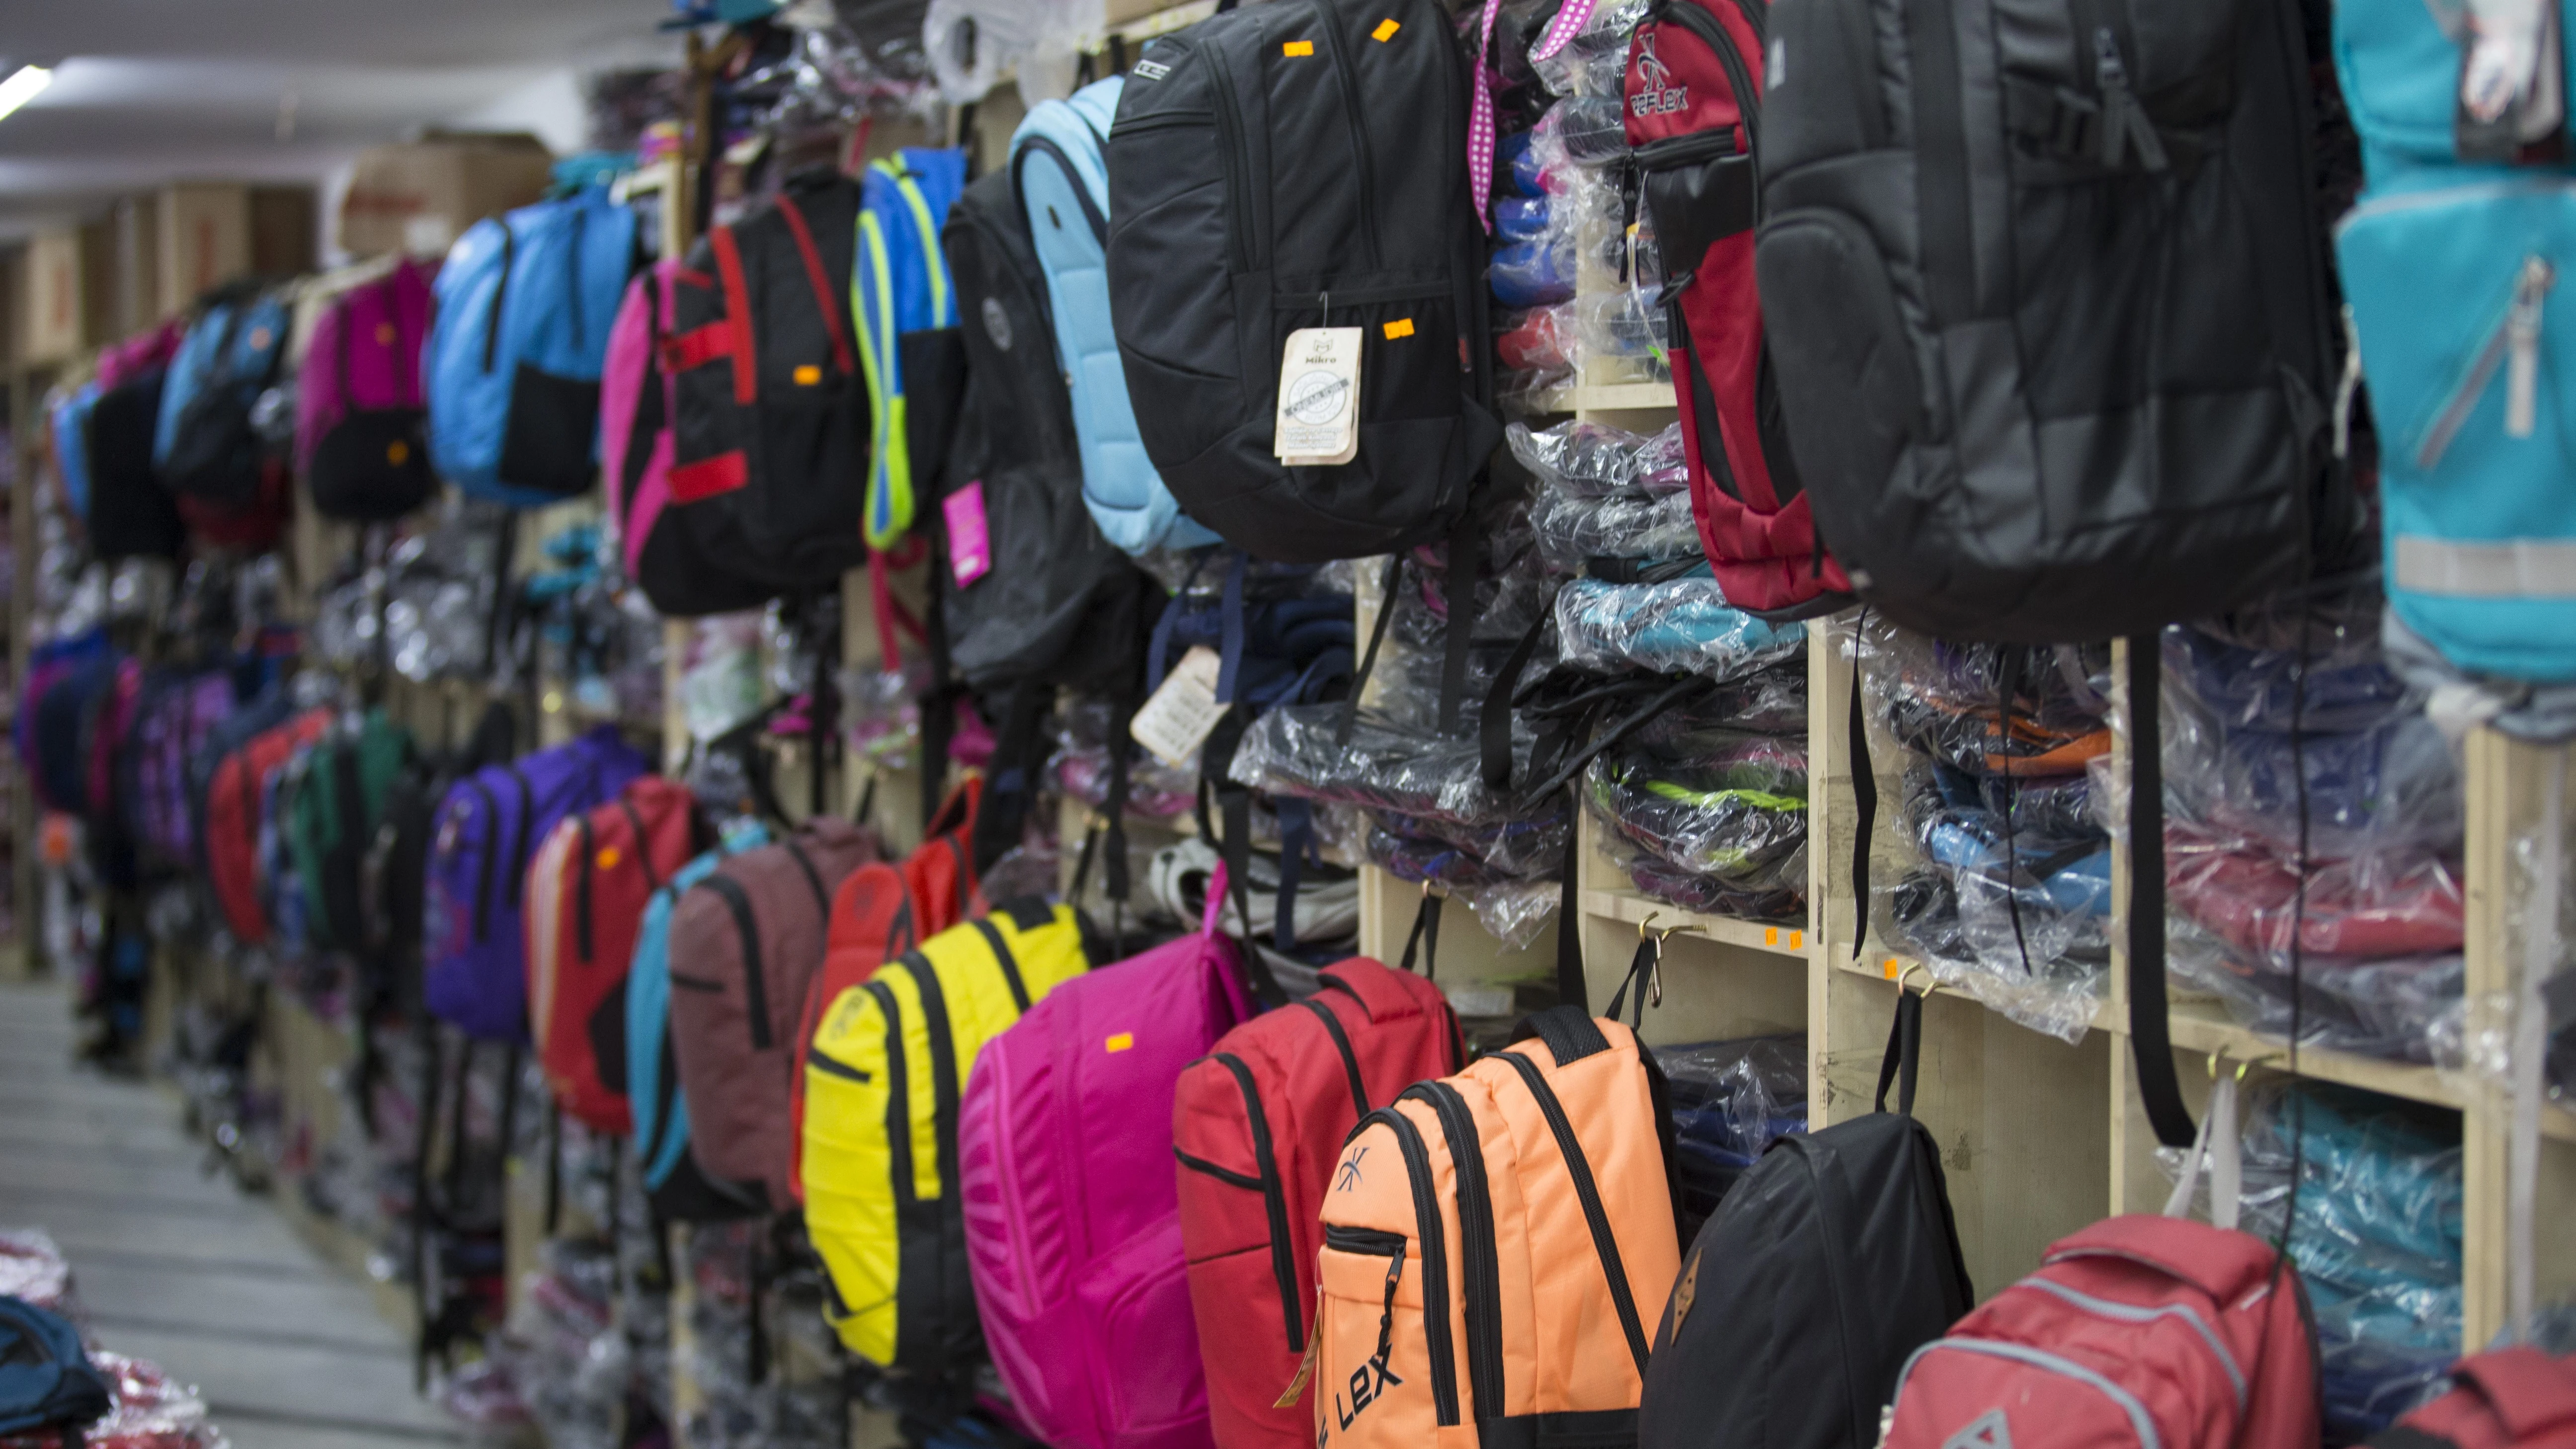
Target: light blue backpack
column 203, row 444
column 1064, row 188
column 672, row 1182
column 2452, row 272
column 520, row 335
column 71, row 444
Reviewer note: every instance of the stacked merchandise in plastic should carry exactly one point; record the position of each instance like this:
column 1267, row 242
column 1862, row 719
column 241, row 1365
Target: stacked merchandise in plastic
column 2247, row 748
column 1731, row 1100
column 749, row 1322
column 2003, row 885
column 147, row 1410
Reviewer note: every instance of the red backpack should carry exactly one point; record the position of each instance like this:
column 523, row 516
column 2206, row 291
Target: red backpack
column 1257, row 1125
column 871, row 924
column 586, row 889
column 1694, row 91
column 939, row 875
column 2140, row 1330
column 232, row 819
column 2511, row 1398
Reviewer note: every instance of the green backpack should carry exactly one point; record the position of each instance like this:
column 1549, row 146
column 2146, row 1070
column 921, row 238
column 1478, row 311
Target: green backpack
column 332, row 816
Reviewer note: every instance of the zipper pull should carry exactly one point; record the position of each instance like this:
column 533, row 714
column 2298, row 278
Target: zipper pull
column 2123, row 117
column 2522, row 342
column 1386, row 1315
column 1628, row 188
column 2347, row 386
column 1325, row 302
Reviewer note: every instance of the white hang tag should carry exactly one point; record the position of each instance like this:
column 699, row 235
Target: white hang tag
column 1319, row 388
column 1179, row 715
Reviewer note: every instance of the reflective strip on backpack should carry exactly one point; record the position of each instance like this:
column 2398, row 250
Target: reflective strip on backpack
column 2525, row 568
column 890, row 472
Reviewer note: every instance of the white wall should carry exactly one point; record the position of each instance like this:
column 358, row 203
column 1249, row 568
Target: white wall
column 550, row 107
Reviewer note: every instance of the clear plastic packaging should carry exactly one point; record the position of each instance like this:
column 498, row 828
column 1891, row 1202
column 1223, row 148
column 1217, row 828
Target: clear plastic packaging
column 1081, row 766
column 147, row 1411
column 1681, row 625
column 1537, row 348
column 1585, row 459
column 1581, row 131
column 1731, row 1100
column 1292, row 750
column 1595, row 60
column 34, row 1269
column 1722, row 805
column 1642, row 527
column 1328, row 899
column 1532, row 273
column 2382, row 1006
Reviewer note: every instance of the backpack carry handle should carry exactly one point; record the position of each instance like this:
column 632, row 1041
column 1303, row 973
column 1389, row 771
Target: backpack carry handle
column 2216, row 1146
column 1904, row 1049
column 2150, row 1028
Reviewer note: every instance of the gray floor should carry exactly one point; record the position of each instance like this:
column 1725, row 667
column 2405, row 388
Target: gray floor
column 181, row 1269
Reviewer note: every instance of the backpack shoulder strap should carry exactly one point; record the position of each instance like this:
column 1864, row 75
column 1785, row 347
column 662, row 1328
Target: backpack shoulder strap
column 2531, row 1392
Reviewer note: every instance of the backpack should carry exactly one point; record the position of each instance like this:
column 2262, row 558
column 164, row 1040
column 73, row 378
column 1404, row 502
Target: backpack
column 939, row 875
column 104, row 726
column 202, row 441
column 176, row 711
column 474, row 967
column 46, row 1379
column 2505, row 1398
column 909, row 349
column 1221, row 247
column 62, row 677
column 674, row 1188
column 745, row 943
column 2467, row 396
column 262, row 712
column 587, row 889
column 361, row 428
column 236, row 800
column 1075, row 1238
column 68, row 425
column 1575, row 1101
column 1023, row 576
column 890, row 1226
column 2142, row 1329
column 516, row 341
column 130, row 513
column 872, row 923
column 771, row 430
column 2010, row 411
column 1692, row 139
column 1062, row 184
column 332, row 819
column 1257, row 1125
column 662, row 555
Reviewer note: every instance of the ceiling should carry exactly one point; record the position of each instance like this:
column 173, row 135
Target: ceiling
column 151, row 91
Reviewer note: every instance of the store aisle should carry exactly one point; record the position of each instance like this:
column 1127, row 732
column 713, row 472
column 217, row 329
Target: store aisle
column 180, row 1268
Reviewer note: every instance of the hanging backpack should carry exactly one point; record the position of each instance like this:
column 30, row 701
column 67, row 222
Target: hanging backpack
column 130, row 514
column 746, row 941
column 1062, row 183
column 202, row 442
column 1216, row 256
column 361, row 427
column 47, row 1383
column 474, row 969
column 1843, row 1236
column 673, row 1186
column 166, row 730
column 2504, row 1398
column 333, row 818
column 236, row 799
column 1075, row 1238
column 771, row 430
column 587, row 888
column 262, row 712
column 1554, row 1290
column 881, row 1154
column 516, row 342
column 1257, row 1125
column 872, row 923
column 2011, row 411
column 67, row 424
column 662, row 556
column 1691, row 134
column 907, row 314
column 939, row 876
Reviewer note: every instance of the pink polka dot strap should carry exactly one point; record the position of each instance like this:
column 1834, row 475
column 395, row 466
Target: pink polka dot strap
column 1480, row 123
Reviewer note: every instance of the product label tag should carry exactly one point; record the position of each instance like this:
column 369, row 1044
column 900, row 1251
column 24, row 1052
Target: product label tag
column 1319, row 388
column 1180, row 714
column 970, row 545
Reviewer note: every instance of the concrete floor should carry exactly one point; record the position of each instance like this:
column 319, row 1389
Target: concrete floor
column 178, row 1267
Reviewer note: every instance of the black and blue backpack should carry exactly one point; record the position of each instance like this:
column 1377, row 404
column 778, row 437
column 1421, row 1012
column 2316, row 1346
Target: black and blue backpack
column 46, row 1378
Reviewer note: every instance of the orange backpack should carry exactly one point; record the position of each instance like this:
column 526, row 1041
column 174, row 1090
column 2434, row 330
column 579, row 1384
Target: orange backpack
column 1492, row 1242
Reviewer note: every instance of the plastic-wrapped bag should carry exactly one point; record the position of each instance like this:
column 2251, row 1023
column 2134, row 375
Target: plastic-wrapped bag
column 1730, row 807
column 1596, row 460
column 1537, row 348
column 1532, row 273
column 1731, row 1100
column 1596, row 59
column 148, row 1412
column 2381, row 1006
column 1642, row 527
column 1581, row 130
column 1292, row 750
column 1679, row 625
column 1520, row 218
column 32, row 1268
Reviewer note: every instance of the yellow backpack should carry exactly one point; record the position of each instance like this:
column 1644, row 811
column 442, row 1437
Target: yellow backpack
column 881, row 1203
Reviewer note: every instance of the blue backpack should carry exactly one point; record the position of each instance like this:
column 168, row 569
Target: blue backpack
column 1064, row 190
column 2474, row 398
column 203, row 443
column 906, row 310
column 46, row 1378
column 676, row 1189
column 517, row 344
column 71, row 445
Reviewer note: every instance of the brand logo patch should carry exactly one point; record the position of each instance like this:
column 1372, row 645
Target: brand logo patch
column 1349, row 1177
column 1987, row 1431
column 997, row 323
column 1150, row 70
column 1369, row 1383
column 1654, row 93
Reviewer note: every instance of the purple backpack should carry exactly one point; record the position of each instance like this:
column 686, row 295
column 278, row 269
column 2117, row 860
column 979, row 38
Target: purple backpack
column 175, row 718
column 474, row 961
column 1073, row 1227
column 359, row 418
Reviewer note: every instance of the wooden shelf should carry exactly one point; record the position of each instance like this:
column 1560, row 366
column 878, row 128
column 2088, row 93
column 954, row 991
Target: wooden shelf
column 1603, row 397
column 1631, row 909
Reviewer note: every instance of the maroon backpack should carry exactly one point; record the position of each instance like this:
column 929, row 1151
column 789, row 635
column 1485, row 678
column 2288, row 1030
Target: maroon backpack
column 1694, row 93
column 745, row 945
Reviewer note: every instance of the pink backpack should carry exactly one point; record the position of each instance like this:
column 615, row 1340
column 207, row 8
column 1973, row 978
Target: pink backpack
column 122, row 362
column 1073, row 1227
column 636, row 407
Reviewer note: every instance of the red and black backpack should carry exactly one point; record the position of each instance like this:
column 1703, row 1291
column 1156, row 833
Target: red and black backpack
column 1694, row 93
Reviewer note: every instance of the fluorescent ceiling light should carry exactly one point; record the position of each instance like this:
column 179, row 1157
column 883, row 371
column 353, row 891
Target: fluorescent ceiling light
column 22, row 87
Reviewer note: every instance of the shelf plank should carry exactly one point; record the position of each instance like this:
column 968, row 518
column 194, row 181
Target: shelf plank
column 1609, row 397
column 1631, row 909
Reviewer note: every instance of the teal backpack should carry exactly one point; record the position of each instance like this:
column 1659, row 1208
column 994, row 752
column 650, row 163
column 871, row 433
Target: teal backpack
column 673, row 1186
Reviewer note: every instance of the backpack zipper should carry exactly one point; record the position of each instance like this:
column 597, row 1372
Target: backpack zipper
column 1435, row 1260
column 491, row 854
column 1739, row 76
column 1588, row 1193
column 835, row 1067
column 898, row 1117
column 518, row 878
column 2513, row 343
column 1002, row 958
column 1283, row 1259
column 1342, row 1045
column 2138, row 1314
column 581, row 897
column 755, row 983
column 1369, row 1243
column 1482, row 1272
column 1229, row 125
column 1348, row 79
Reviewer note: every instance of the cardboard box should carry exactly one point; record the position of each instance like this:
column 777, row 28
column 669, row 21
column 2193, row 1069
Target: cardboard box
column 53, row 312
column 205, row 241
column 419, row 197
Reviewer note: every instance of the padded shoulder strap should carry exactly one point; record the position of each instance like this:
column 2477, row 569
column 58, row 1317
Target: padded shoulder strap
column 1570, row 1034
column 2530, row 1391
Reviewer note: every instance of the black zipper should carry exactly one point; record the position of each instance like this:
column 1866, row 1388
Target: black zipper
column 1342, row 1044
column 1372, row 1242
column 500, row 290
column 643, row 845
column 1758, row 15
column 1002, row 958
column 1226, row 1175
column 945, row 1077
column 491, row 855
column 1283, row 1257
column 1588, row 1193
column 1482, row 1272
column 755, row 978
column 1435, row 1260
column 1683, row 149
column 835, row 1067
column 814, row 878
column 1229, row 125
column 1355, row 296
column 581, row 897
column 1162, row 121
column 1739, row 76
column 518, row 878
column 1329, row 24
column 898, row 1119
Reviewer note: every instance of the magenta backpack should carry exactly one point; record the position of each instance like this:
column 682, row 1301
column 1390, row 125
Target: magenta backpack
column 122, row 362
column 1073, row 1227
column 636, row 404
column 359, row 418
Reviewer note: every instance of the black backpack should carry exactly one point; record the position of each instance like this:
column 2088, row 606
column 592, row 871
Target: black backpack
column 2051, row 322
column 1303, row 164
column 1824, row 1268
column 771, row 442
column 130, row 514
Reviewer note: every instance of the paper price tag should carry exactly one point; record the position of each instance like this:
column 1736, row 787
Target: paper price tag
column 1180, row 714
column 970, row 544
column 1319, row 389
